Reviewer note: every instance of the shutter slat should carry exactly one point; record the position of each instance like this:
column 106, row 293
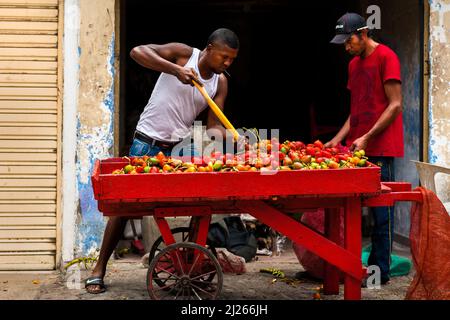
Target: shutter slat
column 27, row 196
column 27, row 221
column 26, row 234
column 27, row 246
column 29, row 109
column 27, row 183
column 27, row 14
column 29, row 3
column 43, row 118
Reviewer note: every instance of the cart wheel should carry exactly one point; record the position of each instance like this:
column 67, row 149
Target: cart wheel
column 184, row 271
column 181, row 234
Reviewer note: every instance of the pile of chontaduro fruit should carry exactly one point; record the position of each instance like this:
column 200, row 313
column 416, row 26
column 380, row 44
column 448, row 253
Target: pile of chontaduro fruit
column 264, row 155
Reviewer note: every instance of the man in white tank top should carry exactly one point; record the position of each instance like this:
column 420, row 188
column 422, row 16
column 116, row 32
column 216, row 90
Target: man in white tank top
column 171, row 110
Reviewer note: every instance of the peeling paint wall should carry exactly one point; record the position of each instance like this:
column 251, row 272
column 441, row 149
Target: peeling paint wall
column 439, row 88
column 95, row 118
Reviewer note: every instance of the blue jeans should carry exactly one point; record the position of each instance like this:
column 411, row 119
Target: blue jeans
column 140, row 148
column 383, row 229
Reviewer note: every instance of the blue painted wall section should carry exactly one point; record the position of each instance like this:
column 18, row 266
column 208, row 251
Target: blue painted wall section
column 97, row 144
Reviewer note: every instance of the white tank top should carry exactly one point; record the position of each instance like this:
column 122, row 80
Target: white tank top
column 174, row 106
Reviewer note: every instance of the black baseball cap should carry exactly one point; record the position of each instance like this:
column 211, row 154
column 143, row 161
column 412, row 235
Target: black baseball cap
column 347, row 25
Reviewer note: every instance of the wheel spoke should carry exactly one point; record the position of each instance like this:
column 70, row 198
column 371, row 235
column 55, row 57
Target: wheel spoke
column 178, row 293
column 195, row 292
column 164, row 280
column 202, row 275
column 212, row 295
column 195, row 262
column 173, row 275
column 165, row 287
column 178, row 258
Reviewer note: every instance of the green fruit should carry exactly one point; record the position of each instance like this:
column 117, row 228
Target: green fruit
column 154, row 161
column 217, row 165
column 128, row 168
column 147, row 169
column 362, row 163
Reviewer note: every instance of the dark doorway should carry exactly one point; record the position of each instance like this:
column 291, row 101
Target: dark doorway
column 286, row 66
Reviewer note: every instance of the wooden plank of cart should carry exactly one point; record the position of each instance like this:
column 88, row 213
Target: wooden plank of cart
column 187, row 269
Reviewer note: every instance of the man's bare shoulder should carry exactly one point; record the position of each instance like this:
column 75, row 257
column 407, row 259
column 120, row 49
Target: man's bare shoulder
column 176, row 52
column 181, row 49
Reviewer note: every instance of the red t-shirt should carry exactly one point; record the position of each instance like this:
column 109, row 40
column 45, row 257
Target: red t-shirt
column 367, row 77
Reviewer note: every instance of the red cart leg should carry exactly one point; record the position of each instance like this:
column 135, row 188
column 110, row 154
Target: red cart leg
column 164, row 228
column 199, row 227
column 332, row 230
column 352, row 286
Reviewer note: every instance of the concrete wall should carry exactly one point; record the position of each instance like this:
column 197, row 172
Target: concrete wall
column 439, row 91
column 94, row 120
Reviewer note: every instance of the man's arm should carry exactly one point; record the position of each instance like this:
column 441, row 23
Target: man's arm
column 340, row 135
column 168, row 58
column 219, row 99
column 393, row 89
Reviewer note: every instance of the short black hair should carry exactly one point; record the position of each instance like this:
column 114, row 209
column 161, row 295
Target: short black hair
column 225, row 36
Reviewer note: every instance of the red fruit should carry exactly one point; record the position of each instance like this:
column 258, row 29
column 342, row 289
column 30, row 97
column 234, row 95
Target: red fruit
column 161, row 157
column 275, row 164
column 216, row 155
column 140, row 169
column 299, row 145
column 326, row 154
column 334, row 150
column 197, row 160
column 206, row 159
column 275, row 146
column 291, row 145
column 265, row 161
column 310, row 151
column 341, row 157
column 279, row 155
column 318, row 144
column 320, row 160
column 229, row 156
column 154, row 170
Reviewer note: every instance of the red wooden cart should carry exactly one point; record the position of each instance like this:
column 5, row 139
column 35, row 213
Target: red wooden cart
column 189, row 270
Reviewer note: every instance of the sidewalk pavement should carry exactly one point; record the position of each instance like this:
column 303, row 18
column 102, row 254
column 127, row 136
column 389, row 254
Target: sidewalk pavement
column 126, row 280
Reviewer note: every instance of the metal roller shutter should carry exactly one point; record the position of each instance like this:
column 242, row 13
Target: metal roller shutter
column 29, row 134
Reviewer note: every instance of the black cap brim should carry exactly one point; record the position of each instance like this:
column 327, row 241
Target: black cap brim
column 340, row 38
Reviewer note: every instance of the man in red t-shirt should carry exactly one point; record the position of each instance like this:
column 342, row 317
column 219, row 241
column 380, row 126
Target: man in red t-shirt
column 375, row 123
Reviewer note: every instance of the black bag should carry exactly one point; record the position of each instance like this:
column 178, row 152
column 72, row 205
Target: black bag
column 235, row 238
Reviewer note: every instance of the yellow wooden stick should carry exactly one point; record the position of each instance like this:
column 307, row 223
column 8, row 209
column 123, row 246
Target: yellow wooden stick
column 227, row 124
